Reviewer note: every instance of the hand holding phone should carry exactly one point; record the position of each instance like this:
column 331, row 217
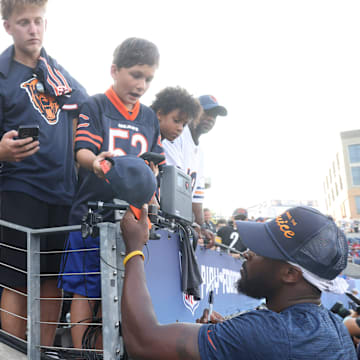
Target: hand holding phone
column 25, row 131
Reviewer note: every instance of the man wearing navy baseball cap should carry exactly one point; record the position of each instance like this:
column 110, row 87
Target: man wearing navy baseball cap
column 186, row 153
column 290, row 260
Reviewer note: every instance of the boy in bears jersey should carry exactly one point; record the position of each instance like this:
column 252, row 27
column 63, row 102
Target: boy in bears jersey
column 38, row 178
column 110, row 124
column 175, row 108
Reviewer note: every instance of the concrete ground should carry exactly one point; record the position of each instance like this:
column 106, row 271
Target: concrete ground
column 8, row 353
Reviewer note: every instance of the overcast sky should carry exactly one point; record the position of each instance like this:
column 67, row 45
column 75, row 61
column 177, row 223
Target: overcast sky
column 287, row 71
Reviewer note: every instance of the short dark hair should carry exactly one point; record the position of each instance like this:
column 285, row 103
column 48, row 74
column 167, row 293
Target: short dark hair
column 172, row 98
column 135, row 51
column 221, row 221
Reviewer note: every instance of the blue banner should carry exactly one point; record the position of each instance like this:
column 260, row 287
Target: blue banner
column 219, row 272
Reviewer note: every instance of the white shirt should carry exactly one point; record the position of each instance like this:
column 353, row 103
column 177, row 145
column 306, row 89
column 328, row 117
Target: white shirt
column 187, row 156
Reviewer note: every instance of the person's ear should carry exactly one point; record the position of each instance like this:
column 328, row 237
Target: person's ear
column 113, row 70
column 7, row 26
column 158, row 114
column 290, row 274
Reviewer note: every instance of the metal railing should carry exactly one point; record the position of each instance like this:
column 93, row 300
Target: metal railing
column 112, row 252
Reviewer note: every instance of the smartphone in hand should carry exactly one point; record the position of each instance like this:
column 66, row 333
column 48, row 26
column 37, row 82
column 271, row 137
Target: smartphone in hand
column 26, row 131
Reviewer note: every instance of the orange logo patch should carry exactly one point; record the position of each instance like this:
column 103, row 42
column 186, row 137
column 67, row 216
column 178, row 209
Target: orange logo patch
column 45, row 104
column 284, row 225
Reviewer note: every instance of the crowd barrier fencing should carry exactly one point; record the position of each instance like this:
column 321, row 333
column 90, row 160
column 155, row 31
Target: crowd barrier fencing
column 163, row 279
column 112, row 253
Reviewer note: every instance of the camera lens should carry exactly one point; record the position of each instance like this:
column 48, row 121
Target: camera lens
column 340, row 309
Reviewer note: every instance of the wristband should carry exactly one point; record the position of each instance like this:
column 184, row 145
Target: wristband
column 132, row 254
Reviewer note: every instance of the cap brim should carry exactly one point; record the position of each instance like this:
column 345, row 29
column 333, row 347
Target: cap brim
column 221, row 111
column 257, row 238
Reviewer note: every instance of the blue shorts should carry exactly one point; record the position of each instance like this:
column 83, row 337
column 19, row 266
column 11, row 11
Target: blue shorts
column 88, row 285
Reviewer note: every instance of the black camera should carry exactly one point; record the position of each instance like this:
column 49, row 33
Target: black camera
column 341, row 310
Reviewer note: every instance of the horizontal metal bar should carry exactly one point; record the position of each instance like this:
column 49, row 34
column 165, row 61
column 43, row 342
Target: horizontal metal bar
column 13, row 314
column 13, row 268
column 73, row 324
column 40, row 231
column 69, row 299
column 69, row 349
column 70, row 274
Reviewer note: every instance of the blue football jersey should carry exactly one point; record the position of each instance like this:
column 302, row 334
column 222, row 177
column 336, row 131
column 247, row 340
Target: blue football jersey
column 105, row 124
column 48, row 175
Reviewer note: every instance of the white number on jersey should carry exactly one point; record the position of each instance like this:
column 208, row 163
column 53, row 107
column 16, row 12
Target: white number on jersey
column 124, row 134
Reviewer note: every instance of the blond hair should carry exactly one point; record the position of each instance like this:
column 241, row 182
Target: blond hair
column 8, row 6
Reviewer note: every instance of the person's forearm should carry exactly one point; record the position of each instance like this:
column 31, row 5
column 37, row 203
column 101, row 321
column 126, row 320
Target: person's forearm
column 138, row 316
column 352, row 326
column 197, row 209
column 86, row 158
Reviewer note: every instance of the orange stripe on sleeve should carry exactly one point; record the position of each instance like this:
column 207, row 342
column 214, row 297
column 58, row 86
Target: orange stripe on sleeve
column 85, row 117
column 209, row 339
column 83, row 138
column 88, row 133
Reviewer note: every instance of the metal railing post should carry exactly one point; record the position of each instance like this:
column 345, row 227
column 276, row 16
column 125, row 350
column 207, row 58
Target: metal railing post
column 33, row 302
column 120, row 254
column 112, row 342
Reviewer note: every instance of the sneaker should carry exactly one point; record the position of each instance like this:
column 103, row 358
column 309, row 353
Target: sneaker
column 51, row 354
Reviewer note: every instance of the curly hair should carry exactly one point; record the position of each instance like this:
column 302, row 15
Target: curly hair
column 135, row 51
column 8, row 6
column 172, row 98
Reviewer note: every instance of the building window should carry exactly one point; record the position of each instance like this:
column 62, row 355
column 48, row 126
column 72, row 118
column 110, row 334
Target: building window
column 357, row 201
column 337, row 161
column 340, row 182
column 354, row 153
column 334, row 171
column 343, row 210
column 330, row 177
column 336, row 190
column 355, row 173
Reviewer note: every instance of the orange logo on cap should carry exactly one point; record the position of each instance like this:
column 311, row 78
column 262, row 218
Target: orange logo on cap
column 284, row 227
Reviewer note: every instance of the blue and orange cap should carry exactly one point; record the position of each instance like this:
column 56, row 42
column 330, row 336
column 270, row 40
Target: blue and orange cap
column 209, row 102
column 131, row 180
column 301, row 235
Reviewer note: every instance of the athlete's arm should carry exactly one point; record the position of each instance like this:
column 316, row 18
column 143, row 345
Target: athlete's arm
column 144, row 337
column 87, row 159
column 12, row 149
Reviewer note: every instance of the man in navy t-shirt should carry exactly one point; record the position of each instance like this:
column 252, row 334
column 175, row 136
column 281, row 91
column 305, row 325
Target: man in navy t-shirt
column 290, row 260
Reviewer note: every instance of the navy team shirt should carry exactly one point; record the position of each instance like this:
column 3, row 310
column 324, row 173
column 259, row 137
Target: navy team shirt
column 49, row 175
column 300, row 332
column 105, row 124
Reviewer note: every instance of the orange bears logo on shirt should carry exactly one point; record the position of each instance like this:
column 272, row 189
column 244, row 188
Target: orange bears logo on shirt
column 45, row 104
